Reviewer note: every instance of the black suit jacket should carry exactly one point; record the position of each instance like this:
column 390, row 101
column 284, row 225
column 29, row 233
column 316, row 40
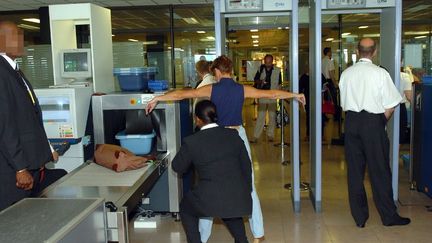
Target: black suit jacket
column 23, row 141
column 224, row 171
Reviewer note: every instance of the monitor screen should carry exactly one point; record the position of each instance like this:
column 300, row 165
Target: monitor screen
column 55, row 109
column 75, row 62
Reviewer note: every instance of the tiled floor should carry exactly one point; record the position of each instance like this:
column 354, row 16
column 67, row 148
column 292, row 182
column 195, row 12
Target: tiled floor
column 334, row 224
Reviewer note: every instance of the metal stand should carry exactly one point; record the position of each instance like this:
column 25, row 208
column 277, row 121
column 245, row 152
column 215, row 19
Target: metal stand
column 282, row 143
column 304, row 186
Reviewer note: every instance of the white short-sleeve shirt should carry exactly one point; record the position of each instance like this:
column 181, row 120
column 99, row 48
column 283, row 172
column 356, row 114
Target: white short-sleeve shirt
column 327, row 65
column 367, row 87
column 405, row 85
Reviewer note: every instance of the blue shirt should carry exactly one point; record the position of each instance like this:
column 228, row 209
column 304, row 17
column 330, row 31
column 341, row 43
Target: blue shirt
column 228, row 96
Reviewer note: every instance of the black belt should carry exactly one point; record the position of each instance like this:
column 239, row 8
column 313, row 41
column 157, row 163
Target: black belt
column 364, row 112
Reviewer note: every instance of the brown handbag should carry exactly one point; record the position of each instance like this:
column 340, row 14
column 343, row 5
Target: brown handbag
column 119, row 159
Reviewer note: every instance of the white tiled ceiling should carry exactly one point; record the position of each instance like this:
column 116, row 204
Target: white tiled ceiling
column 7, row 5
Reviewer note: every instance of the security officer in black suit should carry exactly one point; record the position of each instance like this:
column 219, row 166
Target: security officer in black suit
column 224, row 170
column 24, row 147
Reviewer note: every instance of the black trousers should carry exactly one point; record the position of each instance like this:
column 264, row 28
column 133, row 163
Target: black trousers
column 10, row 193
column 403, row 125
column 367, row 145
column 190, row 218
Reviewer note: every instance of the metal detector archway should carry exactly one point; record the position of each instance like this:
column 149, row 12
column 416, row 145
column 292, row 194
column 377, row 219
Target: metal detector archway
column 228, row 8
column 390, row 56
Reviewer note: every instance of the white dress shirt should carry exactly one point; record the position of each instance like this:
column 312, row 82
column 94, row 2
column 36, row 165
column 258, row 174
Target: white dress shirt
column 207, row 79
column 365, row 86
column 208, row 126
column 327, row 65
column 405, row 85
column 9, row 60
column 14, row 66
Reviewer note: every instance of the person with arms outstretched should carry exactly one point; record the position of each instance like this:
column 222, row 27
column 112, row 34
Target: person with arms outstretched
column 228, row 96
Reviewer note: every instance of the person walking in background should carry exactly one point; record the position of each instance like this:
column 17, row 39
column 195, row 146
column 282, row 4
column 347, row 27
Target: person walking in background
column 206, row 78
column 267, row 77
column 25, row 148
column 225, row 176
column 329, row 72
column 203, row 69
column 369, row 97
column 405, row 89
column 304, row 86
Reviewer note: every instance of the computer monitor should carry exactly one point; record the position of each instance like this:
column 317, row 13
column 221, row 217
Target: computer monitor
column 76, row 64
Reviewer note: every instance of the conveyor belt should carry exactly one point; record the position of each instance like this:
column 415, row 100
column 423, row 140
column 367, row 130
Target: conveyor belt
column 96, row 175
column 91, row 180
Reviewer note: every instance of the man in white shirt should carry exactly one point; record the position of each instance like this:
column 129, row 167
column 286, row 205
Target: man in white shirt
column 327, row 65
column 405, row 89
column 369, row 97
column 329, row 72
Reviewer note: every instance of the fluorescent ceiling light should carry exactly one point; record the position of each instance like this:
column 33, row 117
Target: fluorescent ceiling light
column 206, row 40
column 363, row 27
column 255, row 45
column 279, row 28
column 211, row 38
column 33, row 20
column 349, row 36
column 112, row 35
column 336, row 41
column 255, row 41
column 254, row 30
column 346, row 33
column 29, row 27
column 191, row 20
column 416, row 32
column 255, row 36
column 287, row 28
column 150, row 43
column 330, row 39
column 372, row 35
column 201, row 32
column 420, row 37
column 133, row 40
column 257, row 20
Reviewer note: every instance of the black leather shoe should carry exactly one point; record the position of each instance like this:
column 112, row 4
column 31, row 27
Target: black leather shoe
column 398, row 220
column 361, row 225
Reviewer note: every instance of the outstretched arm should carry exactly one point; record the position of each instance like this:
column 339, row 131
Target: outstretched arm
column 203, row 92
column 251, row 92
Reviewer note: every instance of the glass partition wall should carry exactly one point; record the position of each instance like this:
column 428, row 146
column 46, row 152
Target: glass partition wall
column 146, row 35
column 249, row 39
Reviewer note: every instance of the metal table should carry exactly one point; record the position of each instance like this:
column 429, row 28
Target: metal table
column 45, row 220
column 124, row 190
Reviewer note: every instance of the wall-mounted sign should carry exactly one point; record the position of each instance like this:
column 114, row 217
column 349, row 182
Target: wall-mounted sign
column 243, row 5
column 380, row 3
column 277, row 5
column 348, row 4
